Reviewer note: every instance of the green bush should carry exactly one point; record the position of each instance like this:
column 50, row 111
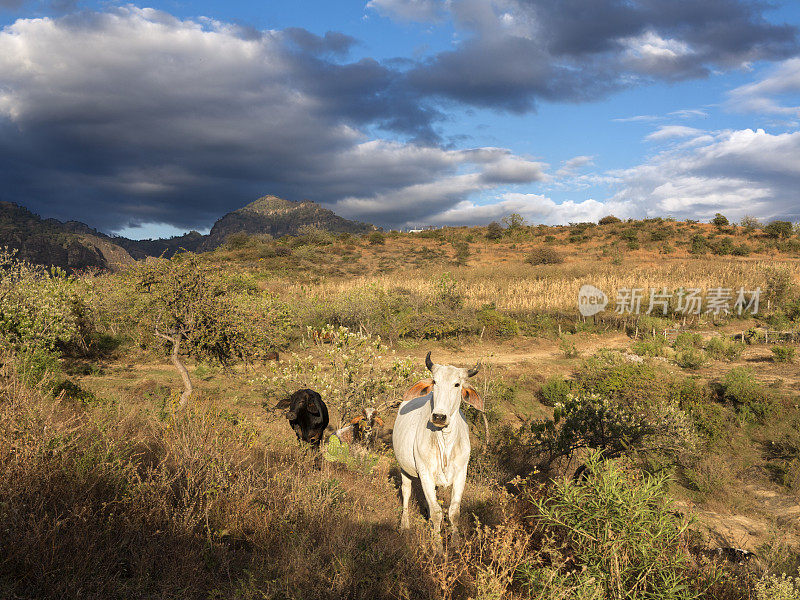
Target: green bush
column 779, row 229
column 544, row 256
column 698, row 244
column 376, row 238
column 720, row 220
column 609, row 220
column 496, row 324
column 723, row 348
column 649, row 347
column 494, row 231
column 554, row 391
column 687, row 339
column 690, row 358
column 751, row 399
column 621, row 533
column 783, row 354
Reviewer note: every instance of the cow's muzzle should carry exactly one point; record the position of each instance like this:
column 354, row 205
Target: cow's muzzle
column 291, row 415
column 439, row 419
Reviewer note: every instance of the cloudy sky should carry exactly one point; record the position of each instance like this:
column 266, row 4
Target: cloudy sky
column 152, row 119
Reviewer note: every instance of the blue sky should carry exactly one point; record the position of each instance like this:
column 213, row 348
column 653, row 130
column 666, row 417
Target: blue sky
column 152, row 119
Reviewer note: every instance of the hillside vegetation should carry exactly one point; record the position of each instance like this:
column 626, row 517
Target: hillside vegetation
column 687, row 428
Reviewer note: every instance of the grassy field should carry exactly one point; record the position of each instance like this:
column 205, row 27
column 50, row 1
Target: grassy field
column 109, row 490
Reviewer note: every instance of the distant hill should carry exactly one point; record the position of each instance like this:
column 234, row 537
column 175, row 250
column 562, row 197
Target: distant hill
column 71, row 246
column 74, row 245
column 140, row 249
column 276, row 217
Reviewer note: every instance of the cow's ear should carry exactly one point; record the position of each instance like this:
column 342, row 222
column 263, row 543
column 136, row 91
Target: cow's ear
column 284, row 403
column 472, row 397
column 422, row 388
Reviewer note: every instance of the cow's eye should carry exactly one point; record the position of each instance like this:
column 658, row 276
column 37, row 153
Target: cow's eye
column 433, row 381
column 458, row 384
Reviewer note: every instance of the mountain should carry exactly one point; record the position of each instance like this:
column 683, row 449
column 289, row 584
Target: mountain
column 140, row 249
column 276, row 217
column 74, row 245
column 71, row 246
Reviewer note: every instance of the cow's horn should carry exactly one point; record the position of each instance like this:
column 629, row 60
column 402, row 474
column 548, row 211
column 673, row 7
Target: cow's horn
column 474, row 370
column 428, row 361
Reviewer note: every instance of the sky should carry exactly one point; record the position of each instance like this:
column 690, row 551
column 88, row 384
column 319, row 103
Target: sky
column 150, row 120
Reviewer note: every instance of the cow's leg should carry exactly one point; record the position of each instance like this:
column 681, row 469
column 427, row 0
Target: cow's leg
column 455, row 500
column 434, row 510
column 406, row 489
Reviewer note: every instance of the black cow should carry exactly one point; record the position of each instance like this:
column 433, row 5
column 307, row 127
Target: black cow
column 307, row 415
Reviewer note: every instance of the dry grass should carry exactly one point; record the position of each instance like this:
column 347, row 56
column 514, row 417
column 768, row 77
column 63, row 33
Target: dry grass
column 552, row 288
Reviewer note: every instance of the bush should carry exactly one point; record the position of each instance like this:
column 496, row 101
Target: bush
column 774, row 587
column 783, row 354
column 237, row 241
column 650, row 347
column 496, row 324
column 751, row 400
column 494, row 231
column 779, row 229
column 621, row 534
column 554, row 391
column 690, row 359
column 698, row 244
column 723, row 348
column 608, row 220
column 376, row 238
column 544, row 256
column 720, row 220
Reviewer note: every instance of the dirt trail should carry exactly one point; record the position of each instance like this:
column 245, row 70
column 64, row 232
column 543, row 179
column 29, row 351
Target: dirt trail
column 778, row 521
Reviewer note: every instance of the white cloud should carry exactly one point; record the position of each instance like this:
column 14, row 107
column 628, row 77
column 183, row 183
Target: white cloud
column 739, row 173
column 666, row 132
column 764, row 96
column 576, row 163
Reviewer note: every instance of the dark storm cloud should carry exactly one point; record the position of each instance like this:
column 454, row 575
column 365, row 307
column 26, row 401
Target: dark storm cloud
column 147, row 118
column 522, row 51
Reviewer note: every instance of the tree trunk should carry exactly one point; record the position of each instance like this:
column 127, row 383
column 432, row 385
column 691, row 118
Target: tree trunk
column 176, row 338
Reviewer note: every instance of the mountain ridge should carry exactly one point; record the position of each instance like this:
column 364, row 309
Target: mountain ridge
column 74, row 245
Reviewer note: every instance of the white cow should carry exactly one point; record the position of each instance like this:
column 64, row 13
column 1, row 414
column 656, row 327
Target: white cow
column 431, row 439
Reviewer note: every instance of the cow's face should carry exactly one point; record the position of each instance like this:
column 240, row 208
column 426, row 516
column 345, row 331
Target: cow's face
column 449, row 384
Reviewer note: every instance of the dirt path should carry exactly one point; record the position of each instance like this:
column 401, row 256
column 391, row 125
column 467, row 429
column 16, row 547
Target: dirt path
column 777, row 520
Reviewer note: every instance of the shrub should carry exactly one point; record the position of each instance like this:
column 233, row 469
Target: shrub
column 494, row 231
column 283, row 251
column 750, row 223
column 660, row 235
column 649, row 347
column 237, row 241
column 783, row 354
column 544, row 256
column 720, row 220
column 514, row 221
column 751, row 400
column 376, row 238
column 690, row 359
column 698, row 244
column 621, row 534
column 779, row 229
column 778, row 587
column 723, row 348
column 568, row 346
column 608, row 220
column 496, row 324
column 554, row 391
column 687, row 339
column 462, row 251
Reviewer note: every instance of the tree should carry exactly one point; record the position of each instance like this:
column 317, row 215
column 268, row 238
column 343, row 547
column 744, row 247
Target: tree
column 720, row 220
column 186, row 305
column 750, row 223
column 779, row 229
column 494, row 231
column 608, row 220
column 514, row 221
